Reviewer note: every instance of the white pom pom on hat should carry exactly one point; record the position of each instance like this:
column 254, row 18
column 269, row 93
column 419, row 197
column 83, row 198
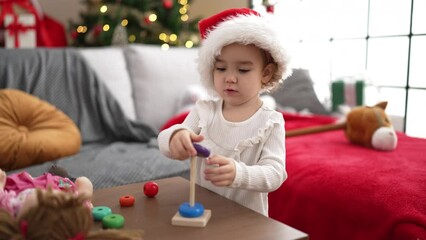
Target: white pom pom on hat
column 238, row 25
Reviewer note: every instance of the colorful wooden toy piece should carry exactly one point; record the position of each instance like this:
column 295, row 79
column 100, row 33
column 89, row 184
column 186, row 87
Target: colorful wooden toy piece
column 100, row 212
column 150, row 189
column 193, row 214
column 201, row 221
column 201, row 151
column 115, row 221
column 127, row 201
column 191, row 211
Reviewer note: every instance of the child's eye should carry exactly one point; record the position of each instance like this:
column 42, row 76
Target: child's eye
column 244, row 70
column 221, row 69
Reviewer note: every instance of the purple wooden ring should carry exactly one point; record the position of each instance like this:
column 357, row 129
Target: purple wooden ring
column 201, row 151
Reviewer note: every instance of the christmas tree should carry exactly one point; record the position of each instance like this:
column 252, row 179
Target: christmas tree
column 116, row 22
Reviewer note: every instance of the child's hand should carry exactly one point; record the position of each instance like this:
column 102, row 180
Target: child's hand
column 181, row 147
column 222, row 175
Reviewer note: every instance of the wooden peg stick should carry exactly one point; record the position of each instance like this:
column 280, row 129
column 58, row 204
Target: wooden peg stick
column 199, row 221
column 193, row 174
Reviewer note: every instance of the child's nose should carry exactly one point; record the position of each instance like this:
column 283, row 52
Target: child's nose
column 230, row 78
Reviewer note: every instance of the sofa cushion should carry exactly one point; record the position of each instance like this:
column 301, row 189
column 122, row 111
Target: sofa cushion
column 298, row 93
column 159, row 79
column 109, row 64
column 33, row 131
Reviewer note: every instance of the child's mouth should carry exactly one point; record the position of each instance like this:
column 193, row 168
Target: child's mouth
column 230, row 90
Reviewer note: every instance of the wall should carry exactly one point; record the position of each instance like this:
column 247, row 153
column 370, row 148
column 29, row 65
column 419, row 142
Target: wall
column 67, row 10
column 203, row 8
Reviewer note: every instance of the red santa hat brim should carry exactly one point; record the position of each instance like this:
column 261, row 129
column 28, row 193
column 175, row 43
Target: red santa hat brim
column 244, row 26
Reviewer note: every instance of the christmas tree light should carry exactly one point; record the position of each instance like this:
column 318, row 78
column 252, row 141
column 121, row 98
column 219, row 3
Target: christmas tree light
column 117, row 22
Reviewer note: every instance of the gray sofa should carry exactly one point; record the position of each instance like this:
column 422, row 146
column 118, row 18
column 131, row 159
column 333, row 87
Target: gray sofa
column 116, row 97
column 119, row 98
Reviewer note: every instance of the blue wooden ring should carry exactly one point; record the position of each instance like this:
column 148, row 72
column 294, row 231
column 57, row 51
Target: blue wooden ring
column 100, row 212
column 185, row 210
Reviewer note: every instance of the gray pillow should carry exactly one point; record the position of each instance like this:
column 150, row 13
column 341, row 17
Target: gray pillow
column 297, row 92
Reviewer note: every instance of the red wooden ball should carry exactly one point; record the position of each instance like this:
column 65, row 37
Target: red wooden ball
column 150, row 189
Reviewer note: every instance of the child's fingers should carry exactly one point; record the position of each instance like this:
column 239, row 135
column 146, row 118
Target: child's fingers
column 224, row 169
column 179, row 150
column 193, row 138
column 222, row 183
column 219, row 180
column 223, row 174
column 218, row 160
column 189, row 148
column 196, row 138
column 219, row 173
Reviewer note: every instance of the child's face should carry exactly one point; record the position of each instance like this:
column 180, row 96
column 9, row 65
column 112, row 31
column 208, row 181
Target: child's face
column 239, row 72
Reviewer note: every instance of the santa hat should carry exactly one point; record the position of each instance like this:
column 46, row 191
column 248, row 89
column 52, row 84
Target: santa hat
column 241, row 25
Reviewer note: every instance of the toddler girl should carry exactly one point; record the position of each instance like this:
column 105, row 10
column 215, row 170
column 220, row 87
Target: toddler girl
column 240, row 57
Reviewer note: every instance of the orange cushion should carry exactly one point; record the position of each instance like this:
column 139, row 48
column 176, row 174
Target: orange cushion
column 33, row 131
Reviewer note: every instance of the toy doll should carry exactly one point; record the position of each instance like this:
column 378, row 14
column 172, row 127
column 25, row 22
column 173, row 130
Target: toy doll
column 51, row 214
column 14, row 189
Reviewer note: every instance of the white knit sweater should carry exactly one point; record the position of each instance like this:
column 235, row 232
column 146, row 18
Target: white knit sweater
column 257, row 145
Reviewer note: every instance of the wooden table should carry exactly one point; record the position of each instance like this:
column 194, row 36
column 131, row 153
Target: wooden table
column 229, row 220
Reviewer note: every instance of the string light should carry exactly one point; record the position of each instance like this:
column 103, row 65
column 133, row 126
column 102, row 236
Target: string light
column 173, row 37
column 165, row 47
column 183, row 2
column 105, row 28
column 132, row 38
column 81, row 29
column 162, row 36
column 189, row 44
column 152, row 17
column 183, row 10
column 103, row 9
column 184, row 17
column 124, row 22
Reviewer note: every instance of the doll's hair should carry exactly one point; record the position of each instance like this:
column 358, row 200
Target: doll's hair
column 58, row 216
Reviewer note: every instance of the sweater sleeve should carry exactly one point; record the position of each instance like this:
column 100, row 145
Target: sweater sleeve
column 190, row 123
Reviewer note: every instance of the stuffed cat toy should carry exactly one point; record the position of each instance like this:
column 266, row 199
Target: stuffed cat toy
column 364, row 125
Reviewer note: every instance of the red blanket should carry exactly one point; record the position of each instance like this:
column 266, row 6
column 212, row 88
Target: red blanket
column 338, row 190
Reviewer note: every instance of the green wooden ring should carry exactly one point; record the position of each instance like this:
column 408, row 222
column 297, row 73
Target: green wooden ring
column 100, row 212
column 113, row 221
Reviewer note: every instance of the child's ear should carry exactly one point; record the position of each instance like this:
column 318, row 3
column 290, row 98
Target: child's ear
column 268, row 72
